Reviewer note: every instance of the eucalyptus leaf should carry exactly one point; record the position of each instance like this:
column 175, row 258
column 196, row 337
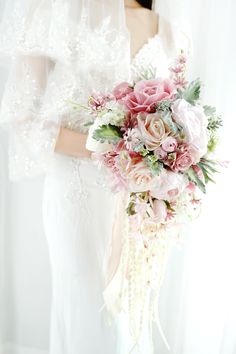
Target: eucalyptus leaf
column 192, row 92
column 168, row 121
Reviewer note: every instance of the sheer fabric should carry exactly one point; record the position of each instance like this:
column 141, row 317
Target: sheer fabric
column 61, row 50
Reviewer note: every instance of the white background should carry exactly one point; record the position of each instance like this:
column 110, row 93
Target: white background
column 198, row 310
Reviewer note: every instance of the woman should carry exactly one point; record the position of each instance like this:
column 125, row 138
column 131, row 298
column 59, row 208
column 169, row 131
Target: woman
column 64, row 50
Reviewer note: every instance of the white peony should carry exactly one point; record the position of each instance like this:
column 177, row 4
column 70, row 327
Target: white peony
column 169, row 185
column 194, row 123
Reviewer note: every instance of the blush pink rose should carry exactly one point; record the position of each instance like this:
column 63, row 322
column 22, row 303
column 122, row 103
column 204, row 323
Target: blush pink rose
column 122, row 90
column 152, row 130
column 140, row 178
column 147, row 94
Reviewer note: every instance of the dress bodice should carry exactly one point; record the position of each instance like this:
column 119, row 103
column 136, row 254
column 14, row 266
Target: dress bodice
column 156, row 54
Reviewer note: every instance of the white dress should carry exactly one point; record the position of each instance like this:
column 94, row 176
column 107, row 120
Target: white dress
column 78, row 212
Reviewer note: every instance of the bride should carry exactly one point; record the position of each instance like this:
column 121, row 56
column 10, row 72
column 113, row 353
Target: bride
column 61, row 51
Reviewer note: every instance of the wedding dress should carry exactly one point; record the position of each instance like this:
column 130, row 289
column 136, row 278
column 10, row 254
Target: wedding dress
column 78, row 206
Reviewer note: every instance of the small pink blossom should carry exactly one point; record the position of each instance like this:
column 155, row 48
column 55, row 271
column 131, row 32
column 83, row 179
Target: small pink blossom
column 182, row 59
column 180, row 82
column 177, row 69
column 191, row 187
column 131, row 138
column 160, row 153
column 98, row 101
column 122, row 90
column 169, row 144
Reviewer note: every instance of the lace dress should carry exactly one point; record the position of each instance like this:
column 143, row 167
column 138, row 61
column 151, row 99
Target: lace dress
column 78, row 209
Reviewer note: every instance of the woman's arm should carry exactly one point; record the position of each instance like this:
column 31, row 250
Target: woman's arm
column 72, row 143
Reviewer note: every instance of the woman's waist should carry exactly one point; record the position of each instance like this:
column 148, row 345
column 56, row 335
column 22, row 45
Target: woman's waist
column 68, row 169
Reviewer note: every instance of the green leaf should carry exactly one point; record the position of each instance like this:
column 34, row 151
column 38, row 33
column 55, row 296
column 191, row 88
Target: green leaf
column 210, row 165
column 214, row 123
column 164, row 106
column 193, row 177
column 88, row 124
column 155, row 165
column 168, row 122
column 209, row 111
column 131, row 209
column 206, row 173
column 108, row 133
column 192, row 92
column 141, row 149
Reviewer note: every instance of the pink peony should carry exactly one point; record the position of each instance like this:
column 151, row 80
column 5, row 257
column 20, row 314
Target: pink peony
column 122, row 90
column 147, row 93
column 194, row 123
column 169, row 144
column 152, row 130
column 159, row 210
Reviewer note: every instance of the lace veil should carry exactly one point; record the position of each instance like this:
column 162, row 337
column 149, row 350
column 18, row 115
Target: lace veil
column 58, row 50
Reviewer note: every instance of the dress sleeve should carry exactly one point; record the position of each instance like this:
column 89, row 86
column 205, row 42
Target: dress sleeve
column 32, row 130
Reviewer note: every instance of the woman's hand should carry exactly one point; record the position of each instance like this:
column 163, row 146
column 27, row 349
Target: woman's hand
column 72, row 143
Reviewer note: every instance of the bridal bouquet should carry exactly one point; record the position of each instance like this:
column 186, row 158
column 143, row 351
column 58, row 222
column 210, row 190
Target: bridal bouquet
column 156, row 139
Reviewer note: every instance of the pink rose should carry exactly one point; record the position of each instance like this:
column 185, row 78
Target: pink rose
column 183, row 162
column 122, row 90
column 152, row 130
column 147, row 93
column 159, row 210
column 169, row 144
column 169, row 185
column 194, row 123
column 182, row 159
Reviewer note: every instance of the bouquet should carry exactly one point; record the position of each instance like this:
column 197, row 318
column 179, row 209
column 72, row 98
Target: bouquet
column 156, row 141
